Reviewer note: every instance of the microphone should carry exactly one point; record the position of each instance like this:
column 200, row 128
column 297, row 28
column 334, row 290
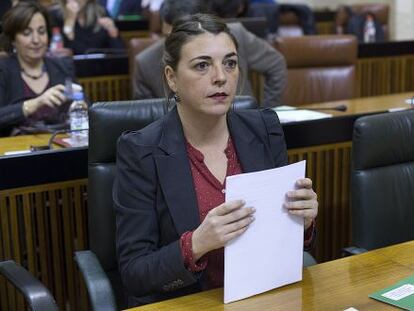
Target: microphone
column 336, row 108
column 107, row 51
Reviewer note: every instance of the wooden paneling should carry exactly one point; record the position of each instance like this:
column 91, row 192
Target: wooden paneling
column 40, row 229
column 329, row 168
column 107, row 88
column 385, row 75
column 325, row 28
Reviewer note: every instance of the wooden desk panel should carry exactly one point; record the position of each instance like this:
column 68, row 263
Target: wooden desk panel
column 41, row 227
column 335, row 285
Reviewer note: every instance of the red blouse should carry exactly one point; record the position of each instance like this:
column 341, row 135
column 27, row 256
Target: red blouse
column 210, row 193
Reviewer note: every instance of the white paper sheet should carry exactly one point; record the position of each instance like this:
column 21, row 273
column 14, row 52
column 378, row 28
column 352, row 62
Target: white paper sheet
column 292, row 114
column 270, row 253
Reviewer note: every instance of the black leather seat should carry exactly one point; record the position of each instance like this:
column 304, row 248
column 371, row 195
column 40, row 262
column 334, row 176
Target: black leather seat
column 107, row 120
column 37, row 296
column 383, row 180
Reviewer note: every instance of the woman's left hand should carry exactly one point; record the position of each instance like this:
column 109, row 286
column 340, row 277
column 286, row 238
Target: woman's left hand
column 108, row 24
column 303, row 201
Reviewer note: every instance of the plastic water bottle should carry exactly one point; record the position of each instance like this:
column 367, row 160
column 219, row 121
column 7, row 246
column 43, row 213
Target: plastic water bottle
column 369, row 29
column 78, row 120
column 56, row 42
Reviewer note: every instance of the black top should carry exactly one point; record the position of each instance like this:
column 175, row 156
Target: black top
column 12, row 91
column 86, row 38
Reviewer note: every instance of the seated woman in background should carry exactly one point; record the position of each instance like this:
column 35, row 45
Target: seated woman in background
column 86, row 26
column 31, row 85
column 172, row 221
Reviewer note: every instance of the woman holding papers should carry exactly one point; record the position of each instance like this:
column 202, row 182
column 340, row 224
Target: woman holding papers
column 172, row 222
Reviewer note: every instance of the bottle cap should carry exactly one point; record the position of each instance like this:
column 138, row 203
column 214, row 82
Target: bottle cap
column 55, row 30
column 77, row 87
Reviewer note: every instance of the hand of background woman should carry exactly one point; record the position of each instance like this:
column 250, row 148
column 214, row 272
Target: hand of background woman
column 221, row 225
column 72, row 10
column 303, row 201
column 108, row 24
column 52, row 97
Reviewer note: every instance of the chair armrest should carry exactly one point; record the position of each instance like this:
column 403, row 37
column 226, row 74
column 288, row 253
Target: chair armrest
column 35, row 293
column 352, row 250
column 99, row 287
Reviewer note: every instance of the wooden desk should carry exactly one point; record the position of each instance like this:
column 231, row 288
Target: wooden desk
column 22, row 142
column 335, row 285
column 368, row 105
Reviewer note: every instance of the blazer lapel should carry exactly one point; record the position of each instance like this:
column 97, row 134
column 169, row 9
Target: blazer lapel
column 16, row 81
column 250, row 150
column 175, row 175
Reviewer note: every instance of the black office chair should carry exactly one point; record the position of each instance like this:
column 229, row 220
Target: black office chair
column 382, row 181
column 107, row 120
column 37, row 296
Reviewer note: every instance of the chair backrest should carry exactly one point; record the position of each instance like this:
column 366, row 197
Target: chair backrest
column 107, row 121
column 320, row 68
column 379, row 10
column 383, row 180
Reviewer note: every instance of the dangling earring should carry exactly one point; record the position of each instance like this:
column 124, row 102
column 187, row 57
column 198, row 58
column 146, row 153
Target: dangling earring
column 177, row 97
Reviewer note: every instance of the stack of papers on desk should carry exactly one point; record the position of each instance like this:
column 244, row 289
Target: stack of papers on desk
column 293, row 114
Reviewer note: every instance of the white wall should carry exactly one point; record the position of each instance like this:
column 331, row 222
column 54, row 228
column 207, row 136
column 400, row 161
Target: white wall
column 401, row 13
column 404, row 16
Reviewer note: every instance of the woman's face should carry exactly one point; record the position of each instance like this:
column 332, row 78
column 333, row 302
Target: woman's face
column 31, row 44
column 207, row 74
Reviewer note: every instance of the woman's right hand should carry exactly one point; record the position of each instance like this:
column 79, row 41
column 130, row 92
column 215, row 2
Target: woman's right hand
column 221, row 225
column 52, row 97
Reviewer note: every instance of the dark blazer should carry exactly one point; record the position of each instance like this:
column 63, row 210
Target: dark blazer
column 11, row 87
column 255, row 54
column 127, row 7
column 155, row 200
